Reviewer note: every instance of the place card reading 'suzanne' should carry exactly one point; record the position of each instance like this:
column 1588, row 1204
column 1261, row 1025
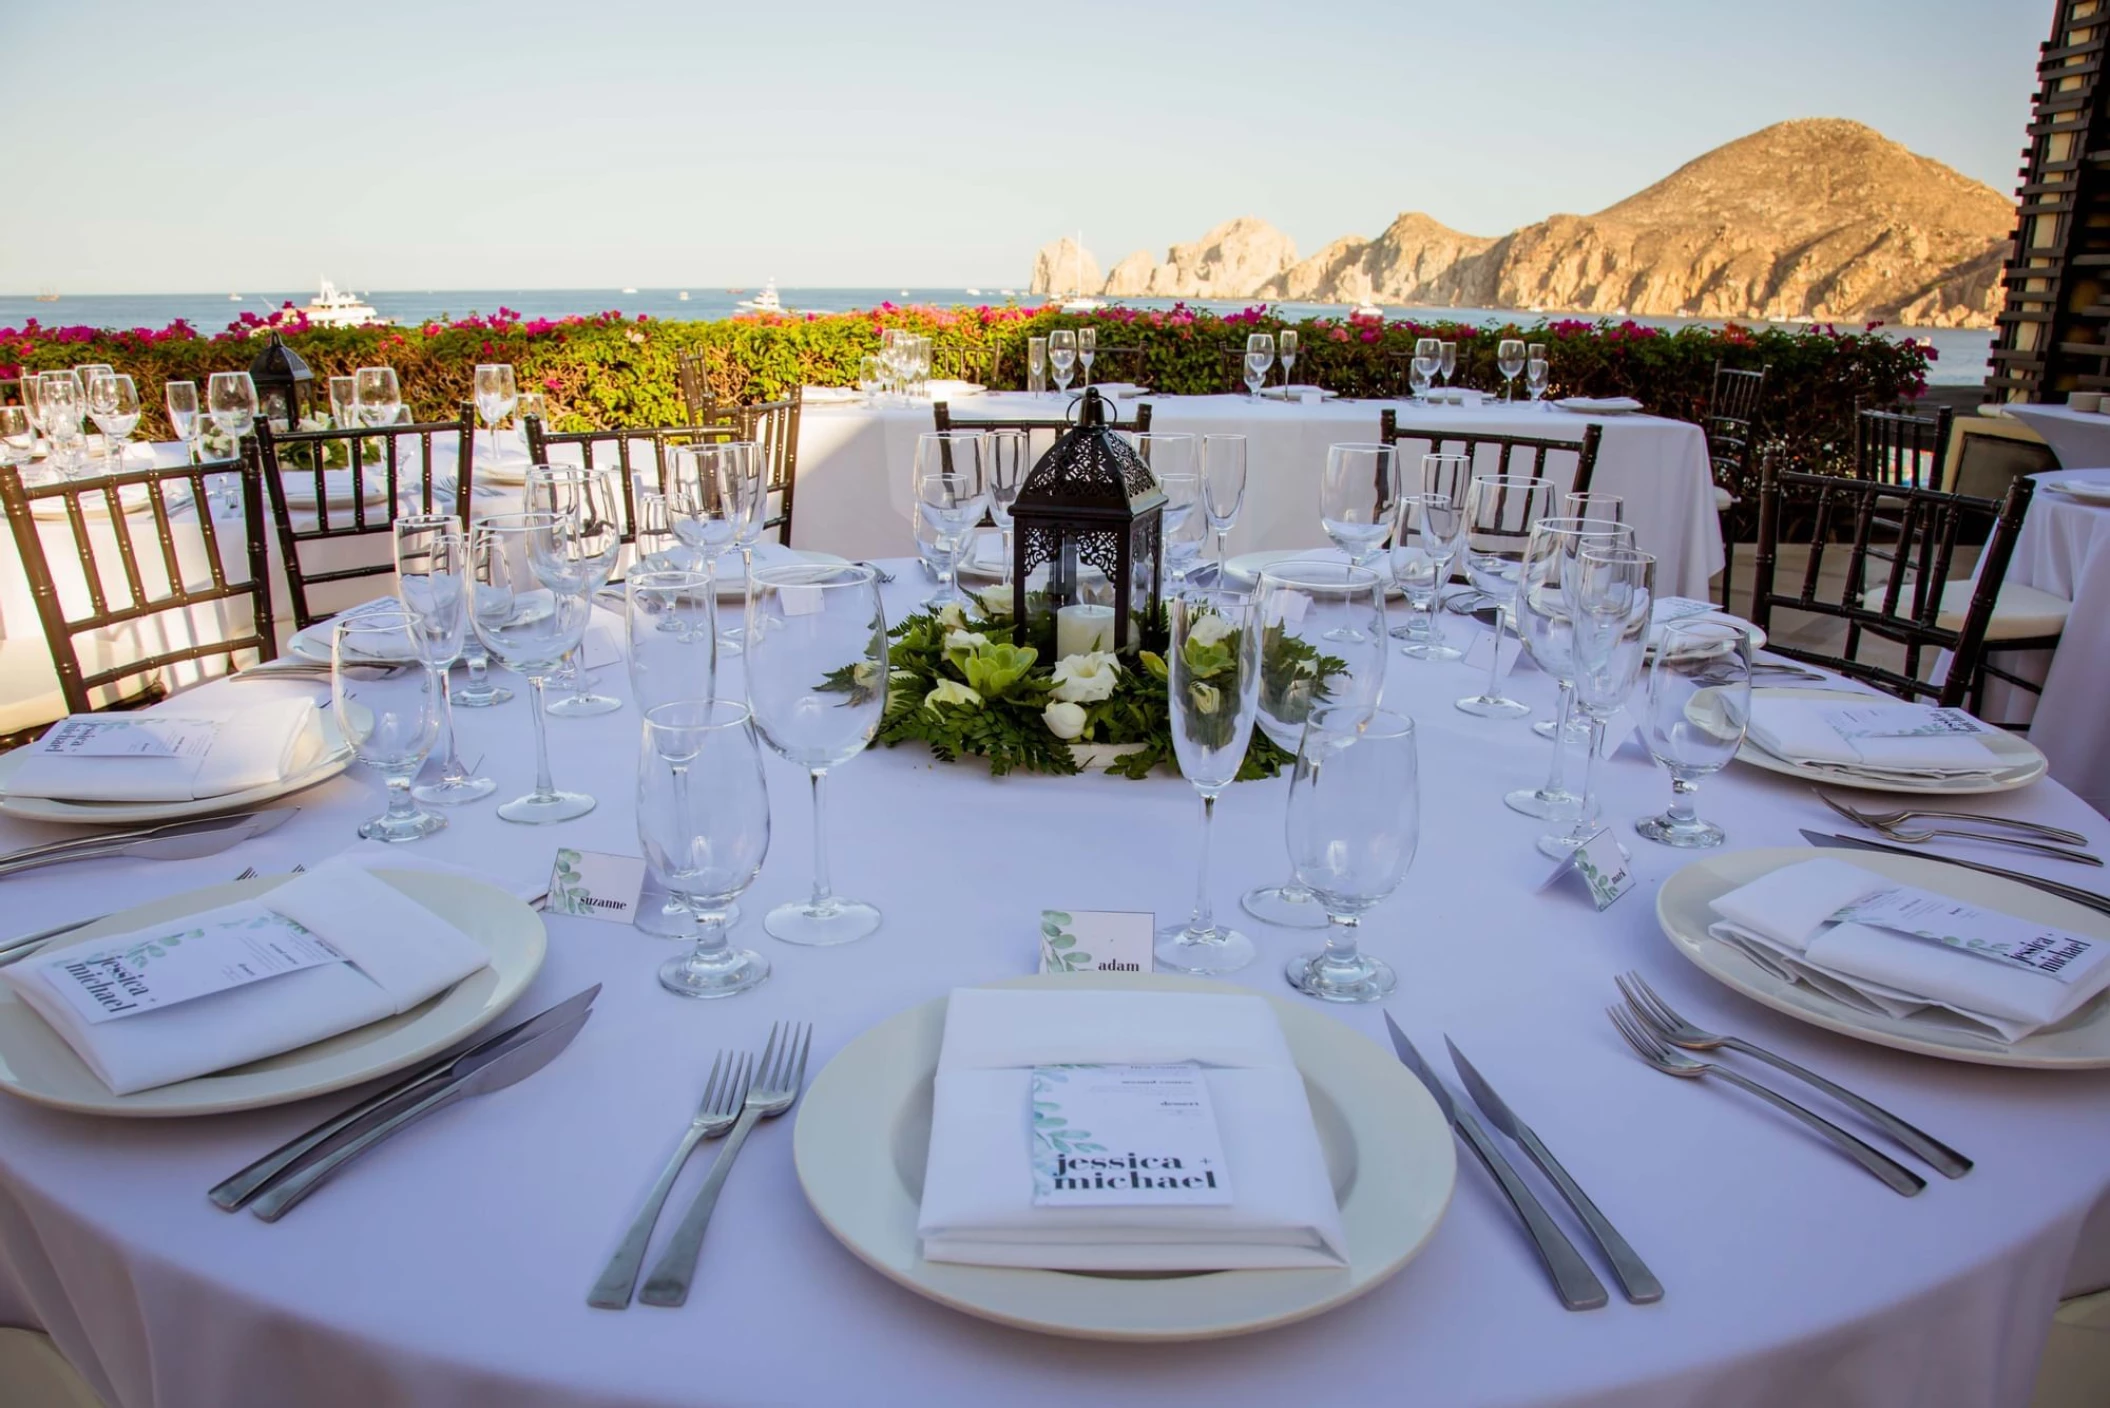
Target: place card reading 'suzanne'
column 1126, row 1136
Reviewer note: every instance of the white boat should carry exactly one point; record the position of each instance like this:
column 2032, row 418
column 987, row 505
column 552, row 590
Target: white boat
column 683, row 296
column 1077, row 300
column 1368, row 310
column 764, row 302
column 333, row 309
column 234, row 298
column 974, row 293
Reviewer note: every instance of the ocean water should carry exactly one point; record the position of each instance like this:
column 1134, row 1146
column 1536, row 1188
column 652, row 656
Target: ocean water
column 1961, row 361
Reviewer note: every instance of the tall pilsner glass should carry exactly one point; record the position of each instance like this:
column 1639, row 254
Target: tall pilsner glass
column 1354, row 824
column 703, row 821
column 529, row 610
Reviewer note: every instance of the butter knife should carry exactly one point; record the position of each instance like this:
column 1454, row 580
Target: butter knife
column 1573, row 1280
column 1639, row 1283
column 2088, row 898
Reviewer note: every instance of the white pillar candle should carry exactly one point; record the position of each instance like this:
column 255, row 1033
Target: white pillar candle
column 1083, row 628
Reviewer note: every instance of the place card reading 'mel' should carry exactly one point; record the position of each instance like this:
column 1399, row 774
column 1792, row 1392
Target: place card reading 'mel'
column 1126, row 1136
column 1096, row 940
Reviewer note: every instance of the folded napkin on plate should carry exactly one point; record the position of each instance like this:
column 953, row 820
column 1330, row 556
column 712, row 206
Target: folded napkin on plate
column 1807, row 731
column 978, row 1186
column 988, row 552
column 266, row 742
column 398, row 954
column 1588, row 404
column 337, row 485
column 1790, row 913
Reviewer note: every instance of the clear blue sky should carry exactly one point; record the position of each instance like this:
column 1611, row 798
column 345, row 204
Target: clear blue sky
column 171, row 147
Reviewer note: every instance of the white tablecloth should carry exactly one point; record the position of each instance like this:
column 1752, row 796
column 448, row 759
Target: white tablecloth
column 2078, row 438
column 452, row 1268
column 856, row 489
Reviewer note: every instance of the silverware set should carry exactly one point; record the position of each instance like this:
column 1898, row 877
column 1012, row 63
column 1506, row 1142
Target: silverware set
column 176, row 840
column 741, row 1092
column 2074, row 893
column 1661, row 1038
column 2053, row 841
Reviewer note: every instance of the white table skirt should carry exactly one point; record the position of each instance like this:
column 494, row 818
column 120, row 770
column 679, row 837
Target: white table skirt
column 856, row 481
column 452, row 1267
column 2078, row 438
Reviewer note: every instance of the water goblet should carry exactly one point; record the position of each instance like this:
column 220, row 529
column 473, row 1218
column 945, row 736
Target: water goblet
column 1420, row 372
column 230, row 399
column 1426, row 541
column 1611, row 596
column 592, row 500
column 529, row 611
column 1535, row 374
column 1223, row 486
column 18, row 438
column 344, row 413
column 114, row 402
column 61, row 402
column 432, row 581
column 1357, row 494
column 495, row 397
column 1006, row 458
column 817, row 684
column 376, row 398
column 1699, row 703
column 1286, row 352
column 1354, row 824
column 1087, row 348
column 1259, row 356
column 871, row 376
column 703, row 822
column 1546, row 628
column 709, row 493
column 1212, row 691
column 952, row 496
column 1509, row 360
column 386, row 699
column 1500, row 510
column 1062, row 356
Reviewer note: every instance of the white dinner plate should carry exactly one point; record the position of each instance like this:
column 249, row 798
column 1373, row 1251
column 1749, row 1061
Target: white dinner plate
column 1244, row 570
column 2022, row 763
column 832, row 396
column 336, row 487
column 133, row 498
column 1599, row 405
column 2081, row 1042
column 2087, row 491
column 732, row 586
column 336, row 756
column 864, row 1133
column 36, row 1063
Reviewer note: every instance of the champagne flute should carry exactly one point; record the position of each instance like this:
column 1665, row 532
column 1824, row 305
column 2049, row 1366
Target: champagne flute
column 1037, row 365
column 1087, row 347
column 344, row 413
column 951, row 496
column 703, row 822
column 181, row 398
column 1171, row 458
column 1286, row 352
column 1447, row 361
column 387, row 703
column 1357, row 495
column 1535, row 373
column 1699, row 703
column 1611, row 596
column 114, row 402
column 527, row 608
column 1509, row 360
column 376, row 398
column 1547, row 631
column 432, row 581
column 1062, row 355
column 495, row 397
column 591, row 499
column 1322, row 641
column 756, row 497
column 1005, row 460
column 1500, row 510
column 1223, row 487
column 1259, row 356
column 817, row 684
column 1212, row 692
column 1354, row 825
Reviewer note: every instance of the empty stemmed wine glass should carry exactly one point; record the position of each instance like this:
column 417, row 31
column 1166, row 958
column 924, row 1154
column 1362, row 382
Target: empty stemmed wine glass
column 1037, row 364
column 1322, row 641
column 114, row 402
column 61, row 402
column 1699, row 703
column 495, row 397
column 1427, row 362
column 1357, row 494
column 181, row 398
column 1171, row 458
column 376, row 398
column 756, row 496
column 1353, row 827
column 591, row 499
column 708, row 489
column 1286, row 352
column 1500, row 510
column 1447, row 360
column 1547, row 631
column 1609, row 508
column 1259, row 356
column 817, row 684
column 951, row 496
column 1611, row 596
column 1062, row 356
column 18, row 438
column 529, row 610
column 1004, row 464
column 1536, row 370
column 432, row 581
column 386, row 699
column 230, row 398
column 1212, row 690
column 1087, row 348
column 871, row 376
column 1427, row 542
column 668, row 614
column 1509, row 360
column 703, row 821
column 1223, row 486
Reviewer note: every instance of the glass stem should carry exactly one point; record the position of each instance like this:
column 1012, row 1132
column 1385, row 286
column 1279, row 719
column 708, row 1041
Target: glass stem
column 1204, row 918
column 710, row 611
column 1494, row 666
column 1007, row 554
column 1682, row 790
column 479, row 670
column 1557, row 776
column 1340, row 938
column 1584, row 817
column 451, row 770
column 545, row 786
column 401, row 806
column 822, row 894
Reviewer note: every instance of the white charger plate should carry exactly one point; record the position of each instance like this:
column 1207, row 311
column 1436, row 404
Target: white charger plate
column 864, row 1133
column 2023, row 763
column 336, row 756
column 132, row 498
column 2081, row 1042
column 1244, row 570
column 337, row 490
column 2087, row 491
column 36, row 1064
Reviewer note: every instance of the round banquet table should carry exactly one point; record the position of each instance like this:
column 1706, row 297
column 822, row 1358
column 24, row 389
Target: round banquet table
column 2078, row 438
column 451, row 1267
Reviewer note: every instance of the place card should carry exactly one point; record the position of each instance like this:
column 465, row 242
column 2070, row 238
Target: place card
column 1126, row 1136
column 595, row 885
column 1480, row 654
column 127, row 736
column 1619, row 730
column 185, row 958
column 1099, row 940
column 603, row 643
column 1988, row 934
column 1601, row 864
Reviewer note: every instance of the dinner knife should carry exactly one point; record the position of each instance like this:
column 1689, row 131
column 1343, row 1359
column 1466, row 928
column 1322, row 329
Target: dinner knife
column 1639, row 1283
column 475, row 1075
column 157, row 843
column 236, row 1191
column 1574, row 1281
column 2088, row 898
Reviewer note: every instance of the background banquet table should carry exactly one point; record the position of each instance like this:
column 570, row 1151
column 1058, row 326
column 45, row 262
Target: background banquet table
column 857, row 465
column 2078, row 438
column 451, row 1268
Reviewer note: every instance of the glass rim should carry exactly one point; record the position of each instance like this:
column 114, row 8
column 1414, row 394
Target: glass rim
column 422, row 522
column 558, row 472
column 522, row 521
column 1351, row 573
column 1512, row 479
column 1163, row 434
column 787, row 574
column 1376, row 722
column 1698, row 628
column 1614, row 554
column 738, row 714
column 956, row 433
column 657, row 577
column 1572, row 523
column 387, row 618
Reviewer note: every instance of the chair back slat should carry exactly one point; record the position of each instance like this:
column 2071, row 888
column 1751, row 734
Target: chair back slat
column 1538, row 450
column 774, row 428
column 640, row 454
column 1900, row 448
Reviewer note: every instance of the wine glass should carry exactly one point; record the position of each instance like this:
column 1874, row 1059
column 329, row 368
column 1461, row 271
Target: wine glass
column 1286, row 351
column 1509, row 360
column 708, row 488
column 495, row 397
column 1212, row 690
column 1428, row 361
column 1591, row 504
column 386, row 699
column 1184, row 525
column 1223, row 486
column 1535, row 373
column 703, row 821
column 230, row 398
column 673, row 656
column 1354, row 824
column 1062, row 355
column 817, row 683
column 432, row 581
column 181, row 398
column 532, row 403
column 114, row 402
column 61, row 402
column 529, row 611
column 1259, row 356
column 376, row 399
column 871, row 376
column 18, row 439
column 1087, row 347
column 1356, row 497
column 1427, row 543
column 592, row 500
column 1037, row 365
column 1611, row 596
column 344, row 412
column 1322, row 641
column 1699, row 703
column 1500, row 510
column 951, row 496
column 1005, row 462
column 1547, row 631
column 1447, row 360
column 756, row 496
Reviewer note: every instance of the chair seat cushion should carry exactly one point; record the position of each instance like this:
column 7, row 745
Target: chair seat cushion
column 2019, row 613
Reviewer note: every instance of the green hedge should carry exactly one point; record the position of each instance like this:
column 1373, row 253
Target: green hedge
column 609, row 370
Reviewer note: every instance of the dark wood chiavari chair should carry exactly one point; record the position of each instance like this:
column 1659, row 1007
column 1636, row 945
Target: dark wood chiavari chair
column 1048, row 426
column 1512, row 454
column 1120, row 364
column 1731, row 431
column 638, row 455
column 1901, row 449
column 774, row 428
column 698, row 402
column 978, row 365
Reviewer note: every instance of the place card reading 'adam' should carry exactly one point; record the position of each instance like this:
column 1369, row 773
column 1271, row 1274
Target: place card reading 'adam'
column 1126, row 1136
column 1097, row 940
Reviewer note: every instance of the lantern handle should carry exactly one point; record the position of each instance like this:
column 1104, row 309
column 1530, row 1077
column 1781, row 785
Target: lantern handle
column 1075, row 415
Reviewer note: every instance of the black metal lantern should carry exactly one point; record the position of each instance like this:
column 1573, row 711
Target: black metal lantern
column 1090, row 502
column 284, row 385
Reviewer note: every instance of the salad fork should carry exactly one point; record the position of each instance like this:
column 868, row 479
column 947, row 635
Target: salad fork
column 1883, row 820
column 1671, row 1062
column 1914, row 836
column 1664, row 1021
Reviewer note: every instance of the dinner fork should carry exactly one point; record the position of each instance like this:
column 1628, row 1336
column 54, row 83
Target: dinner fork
column 1914, row 836
column 1673, row 1063
column 1880, row 820
column 885, row 577
column 723, row 1098
column 778, row 1075
column 1665, row 1022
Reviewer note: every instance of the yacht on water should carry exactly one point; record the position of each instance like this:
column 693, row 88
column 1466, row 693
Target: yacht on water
column 1077, row 300
column 332, row 309
column 47, row 294
column 764, row 302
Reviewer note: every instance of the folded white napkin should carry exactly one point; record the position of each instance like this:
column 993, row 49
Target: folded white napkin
column 948, row 390
column 1789, row 913
column 400, row 953
column 1600, row 404
column 1799, row 731
column 267, row 741
column 978, row 1187
column 337, row 486
column 1679, row 610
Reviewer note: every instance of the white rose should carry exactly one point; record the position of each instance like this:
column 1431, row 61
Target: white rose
column 952, row 618
column 996, row 600
column 1086, row 679
column 965, row 640
column 951, row 692
column 1209, row 630
column 1064, row 720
